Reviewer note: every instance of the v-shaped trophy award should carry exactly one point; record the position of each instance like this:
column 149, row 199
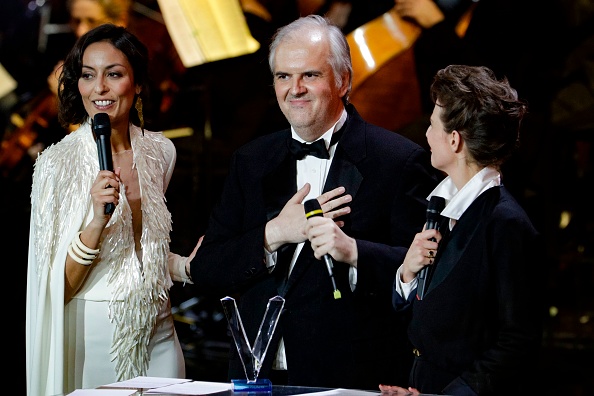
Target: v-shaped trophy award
column 252, row 357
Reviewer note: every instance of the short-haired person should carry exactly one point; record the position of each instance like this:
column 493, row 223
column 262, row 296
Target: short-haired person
column 477, row 329
column 371, row 184
column 98, row 307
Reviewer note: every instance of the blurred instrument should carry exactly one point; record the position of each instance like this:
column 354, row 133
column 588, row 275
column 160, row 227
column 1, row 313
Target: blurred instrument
column 386, row 89
column 33, row 124
column 18, row 142
column 385, row 86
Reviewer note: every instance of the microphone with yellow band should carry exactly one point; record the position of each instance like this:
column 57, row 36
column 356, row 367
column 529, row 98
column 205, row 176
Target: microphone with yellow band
column 312, row 208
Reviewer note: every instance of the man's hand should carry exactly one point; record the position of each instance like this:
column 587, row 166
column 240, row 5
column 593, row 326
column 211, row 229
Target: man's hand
column 325, row 234
column 424, row 12
column 289, row 225
column 331, row 203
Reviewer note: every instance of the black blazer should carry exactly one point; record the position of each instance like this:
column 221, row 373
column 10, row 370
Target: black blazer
column 353, row 342
column 478, row 325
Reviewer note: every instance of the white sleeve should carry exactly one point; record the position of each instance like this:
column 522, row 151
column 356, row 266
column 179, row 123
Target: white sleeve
column 177, row 268
column 404, row 288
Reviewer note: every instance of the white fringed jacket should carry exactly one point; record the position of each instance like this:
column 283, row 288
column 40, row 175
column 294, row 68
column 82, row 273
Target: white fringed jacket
column 61, row 206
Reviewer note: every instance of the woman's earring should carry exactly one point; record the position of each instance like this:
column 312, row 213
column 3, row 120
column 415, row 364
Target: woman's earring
column 138, row 107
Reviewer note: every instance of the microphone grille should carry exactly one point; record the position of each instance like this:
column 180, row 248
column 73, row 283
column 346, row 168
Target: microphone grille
column 101, row 124
column 312, row 208
column 436, row 205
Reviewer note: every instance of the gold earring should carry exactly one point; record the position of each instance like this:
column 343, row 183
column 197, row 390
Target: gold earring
column 138, row 107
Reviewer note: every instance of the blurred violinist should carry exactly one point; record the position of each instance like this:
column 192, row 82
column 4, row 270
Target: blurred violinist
column 41, row 128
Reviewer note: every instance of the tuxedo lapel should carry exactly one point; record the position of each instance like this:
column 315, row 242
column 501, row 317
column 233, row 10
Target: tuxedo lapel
column 343, row 173
column 349, row 150
column 279, row 185
column 305, row 259
column 281, row 270
column 455, row 242
column 447, row 258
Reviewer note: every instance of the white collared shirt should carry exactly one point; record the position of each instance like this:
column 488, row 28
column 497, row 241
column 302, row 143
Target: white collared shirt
column 312, row 170
column 456, row 204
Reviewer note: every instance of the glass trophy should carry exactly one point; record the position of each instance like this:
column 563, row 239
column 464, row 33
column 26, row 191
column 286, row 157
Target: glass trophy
column 252, row 357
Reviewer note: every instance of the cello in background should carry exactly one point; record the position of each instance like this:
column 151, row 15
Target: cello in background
column 385, row 85
column 386, row 89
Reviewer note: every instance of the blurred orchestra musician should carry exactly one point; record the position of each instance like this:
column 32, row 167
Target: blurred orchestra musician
column 387, row 88
column 34, row 125
column 233, row 98
column 240, row 108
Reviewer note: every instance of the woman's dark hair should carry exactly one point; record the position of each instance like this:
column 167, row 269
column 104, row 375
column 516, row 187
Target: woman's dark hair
column 485, row 111
column 71, row 108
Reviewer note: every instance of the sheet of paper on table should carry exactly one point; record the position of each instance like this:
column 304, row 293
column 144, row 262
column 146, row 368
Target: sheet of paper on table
column 191, row 388
column 103, row 392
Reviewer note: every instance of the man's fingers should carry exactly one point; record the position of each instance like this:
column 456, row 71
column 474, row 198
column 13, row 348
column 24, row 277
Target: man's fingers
column 328, row 195
column 300, row 194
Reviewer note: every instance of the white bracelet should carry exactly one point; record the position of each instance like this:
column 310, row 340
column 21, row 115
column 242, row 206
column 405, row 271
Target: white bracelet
column 81, row 253
column 82, row 246
column 78, row 259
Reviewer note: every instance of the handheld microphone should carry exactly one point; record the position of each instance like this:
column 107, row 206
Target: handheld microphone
column 102, row 130
column 312, row 208
column 436, row 205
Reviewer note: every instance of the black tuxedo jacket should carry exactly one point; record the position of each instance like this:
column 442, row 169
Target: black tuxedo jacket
column 354, row 342
column 479, row 324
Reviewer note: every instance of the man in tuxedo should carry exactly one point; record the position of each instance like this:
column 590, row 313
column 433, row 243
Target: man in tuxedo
column 372, row 186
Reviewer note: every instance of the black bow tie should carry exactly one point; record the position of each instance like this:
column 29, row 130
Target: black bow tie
column 318, row 148
column 300, row 150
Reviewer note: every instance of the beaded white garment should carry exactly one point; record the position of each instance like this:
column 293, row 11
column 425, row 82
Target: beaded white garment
column 61, row 205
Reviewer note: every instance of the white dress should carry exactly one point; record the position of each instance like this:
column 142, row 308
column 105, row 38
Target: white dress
column 119, row 325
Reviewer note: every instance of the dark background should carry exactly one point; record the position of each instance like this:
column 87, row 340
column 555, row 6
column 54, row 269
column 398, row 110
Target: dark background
column 229, row 102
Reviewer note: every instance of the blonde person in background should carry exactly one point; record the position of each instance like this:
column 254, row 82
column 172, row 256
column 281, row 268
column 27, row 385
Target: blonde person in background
column 166, row 70
column 98, row 307
column 88, row 14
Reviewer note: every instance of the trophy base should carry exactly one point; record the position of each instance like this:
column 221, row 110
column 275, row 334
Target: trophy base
column 259, row 385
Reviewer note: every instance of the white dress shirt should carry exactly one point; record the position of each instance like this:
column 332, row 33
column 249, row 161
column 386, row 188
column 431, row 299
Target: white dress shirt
column 312, row 170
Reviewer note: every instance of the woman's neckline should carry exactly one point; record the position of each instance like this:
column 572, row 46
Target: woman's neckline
column 123, row 152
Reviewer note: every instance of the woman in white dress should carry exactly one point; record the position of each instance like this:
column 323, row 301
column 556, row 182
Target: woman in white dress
column 98, row 308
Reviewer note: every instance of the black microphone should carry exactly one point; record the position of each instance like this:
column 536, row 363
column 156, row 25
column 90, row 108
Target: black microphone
column 102, row 130
column 436, row 205
column 312, row 208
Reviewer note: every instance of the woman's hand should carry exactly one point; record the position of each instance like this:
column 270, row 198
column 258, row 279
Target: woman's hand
column 191, row 257
column 420, row 253
column 398, row 391
column 105, row 189
column 426, row 13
